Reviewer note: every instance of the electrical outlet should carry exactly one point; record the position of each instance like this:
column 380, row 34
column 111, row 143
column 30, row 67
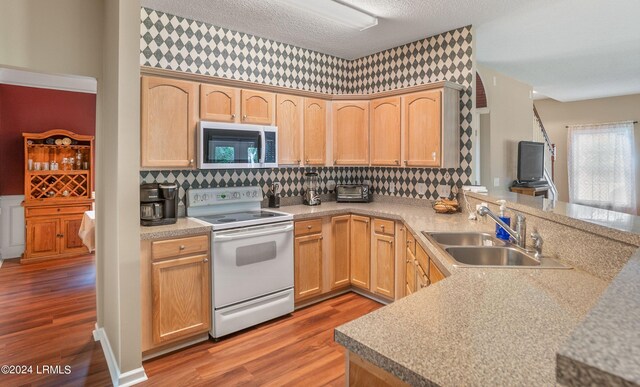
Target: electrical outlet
column 443, row 190
column 392, row 188
column 421, row 188
column 496, row 182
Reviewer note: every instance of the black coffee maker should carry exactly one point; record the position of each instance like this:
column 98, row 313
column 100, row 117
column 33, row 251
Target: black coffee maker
column 158, row 204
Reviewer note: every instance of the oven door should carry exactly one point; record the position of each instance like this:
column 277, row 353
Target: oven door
column 230, row 146
column 251, row 262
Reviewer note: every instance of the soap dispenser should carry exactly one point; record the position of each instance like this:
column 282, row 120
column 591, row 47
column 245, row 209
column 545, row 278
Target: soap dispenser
column 501, row 233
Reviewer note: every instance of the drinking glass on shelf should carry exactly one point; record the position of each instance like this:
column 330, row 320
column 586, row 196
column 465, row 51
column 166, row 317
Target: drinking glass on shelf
column 45, row 166
column 72, row 164
column 30, row 164
column 36, row 166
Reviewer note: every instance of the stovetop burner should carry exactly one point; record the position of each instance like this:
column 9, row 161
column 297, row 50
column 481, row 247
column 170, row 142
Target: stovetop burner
column 264, row 215
column 226, row 220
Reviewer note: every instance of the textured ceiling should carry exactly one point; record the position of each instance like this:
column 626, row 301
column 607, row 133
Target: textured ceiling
column 569, row 50
column 566, row 49
column 399, row 21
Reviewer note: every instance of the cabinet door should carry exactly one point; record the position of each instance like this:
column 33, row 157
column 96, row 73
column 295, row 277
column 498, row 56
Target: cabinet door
column 435, row 274
column 70, row 240
column 43, row 237
column 315, row 129
column 423, row 113
column 385, row 131
column 289, row 121
column 410, row 272
column 181, row 297
column 383, row 265
column 360, row 251
column 218, row 103
column 257, row 107
column 169, row 114
column 307, row 253
column 340, row 250
column 351, row 133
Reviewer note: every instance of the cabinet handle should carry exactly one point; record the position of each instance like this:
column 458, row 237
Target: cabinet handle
column 321, row 238
column 244, row 117
column 307, row 161
column 415, row 261
column 308, row 227
column 58, row 209
column 298, row 161
column 205, row 260
column 182, row 247
column 382, row 227
column 390, row 242
column 406, row 162
column 335, row 161
column 233, row 116
column 408, row 243
column 397, row 161
column 408, row 261
column 424, row 285
column 191, row 162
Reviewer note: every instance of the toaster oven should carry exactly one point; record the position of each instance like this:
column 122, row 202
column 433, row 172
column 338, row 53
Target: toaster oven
column 358, row 193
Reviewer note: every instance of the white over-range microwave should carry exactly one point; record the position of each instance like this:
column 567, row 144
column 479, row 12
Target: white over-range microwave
column 223, row 145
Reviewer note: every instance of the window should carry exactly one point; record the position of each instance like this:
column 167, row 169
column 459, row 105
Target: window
column 601, row 161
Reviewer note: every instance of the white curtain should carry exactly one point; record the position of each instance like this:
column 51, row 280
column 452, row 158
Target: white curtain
column 601, row 162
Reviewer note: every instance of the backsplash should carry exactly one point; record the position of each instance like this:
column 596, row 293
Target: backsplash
column 403, row 180
column 175, row 43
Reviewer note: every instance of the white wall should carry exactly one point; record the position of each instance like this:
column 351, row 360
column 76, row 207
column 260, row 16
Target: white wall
column 509, row 121
column 11, row 226
column 557, row 115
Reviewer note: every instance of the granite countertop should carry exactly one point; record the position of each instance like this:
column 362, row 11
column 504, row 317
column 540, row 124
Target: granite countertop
column 605, row 348
column 483, row 326
column 183, row 227
column 477, row 327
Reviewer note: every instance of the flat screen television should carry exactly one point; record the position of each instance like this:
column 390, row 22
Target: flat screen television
column 530, row 161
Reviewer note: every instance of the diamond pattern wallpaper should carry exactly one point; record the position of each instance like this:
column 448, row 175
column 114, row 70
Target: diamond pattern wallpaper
column 175, row 43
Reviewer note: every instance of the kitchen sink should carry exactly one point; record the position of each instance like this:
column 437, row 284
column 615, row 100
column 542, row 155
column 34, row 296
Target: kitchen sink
column 481, row 249
column 491, row 256
column 465, row 238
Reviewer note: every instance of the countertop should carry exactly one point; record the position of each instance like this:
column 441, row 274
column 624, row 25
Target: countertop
column 481, row 326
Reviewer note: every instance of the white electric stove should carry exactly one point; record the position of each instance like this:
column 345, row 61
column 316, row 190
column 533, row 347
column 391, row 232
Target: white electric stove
column 252, row 256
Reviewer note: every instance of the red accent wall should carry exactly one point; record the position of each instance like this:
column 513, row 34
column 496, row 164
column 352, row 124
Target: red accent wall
column 34, row 110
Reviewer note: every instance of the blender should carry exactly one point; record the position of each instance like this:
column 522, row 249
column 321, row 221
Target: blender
column 311, row 195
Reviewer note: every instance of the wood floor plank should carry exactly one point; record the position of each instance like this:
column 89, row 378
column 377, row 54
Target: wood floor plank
column 293, row 350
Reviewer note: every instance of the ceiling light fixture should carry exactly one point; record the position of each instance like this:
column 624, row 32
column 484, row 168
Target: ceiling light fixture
column 336, row 11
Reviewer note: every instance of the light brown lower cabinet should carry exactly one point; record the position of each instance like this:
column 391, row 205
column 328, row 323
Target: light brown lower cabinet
column 175, row 290
column 307, row 251
column 180, row 297
column 360, row 251
column 410, row 273
column 340, row 251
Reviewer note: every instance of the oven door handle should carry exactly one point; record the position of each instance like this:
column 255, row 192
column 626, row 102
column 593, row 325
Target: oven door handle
column 224, row 238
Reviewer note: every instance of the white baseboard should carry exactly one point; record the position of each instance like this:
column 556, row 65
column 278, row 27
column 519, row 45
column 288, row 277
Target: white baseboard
column 118, row 379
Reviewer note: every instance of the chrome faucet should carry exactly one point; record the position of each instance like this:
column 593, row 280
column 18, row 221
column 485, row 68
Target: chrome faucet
column 537, row 243
column 519, row 235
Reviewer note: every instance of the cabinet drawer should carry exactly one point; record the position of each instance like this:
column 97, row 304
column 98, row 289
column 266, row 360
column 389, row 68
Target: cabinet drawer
column 423, row 280
column 54, row 210
column 381, row 226
column 423, row 258
column 306, row 227
column 411, row 242
column 174, row 247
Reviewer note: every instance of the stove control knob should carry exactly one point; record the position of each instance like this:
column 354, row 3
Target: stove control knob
column 196, row 197
column 236, row 195
column 205, row 197
column 254, row 193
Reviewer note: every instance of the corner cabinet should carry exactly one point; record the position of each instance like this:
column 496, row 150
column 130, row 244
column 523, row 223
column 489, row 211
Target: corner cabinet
column 58, row 187
column 360, row 251
column 168, row 119
column 351, row 133
column 176, row 292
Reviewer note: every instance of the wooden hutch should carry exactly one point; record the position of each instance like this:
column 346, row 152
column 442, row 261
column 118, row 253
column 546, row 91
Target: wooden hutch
column 57, row 191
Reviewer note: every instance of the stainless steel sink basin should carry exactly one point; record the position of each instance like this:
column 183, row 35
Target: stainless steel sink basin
column 491, row 256
column 465, row 238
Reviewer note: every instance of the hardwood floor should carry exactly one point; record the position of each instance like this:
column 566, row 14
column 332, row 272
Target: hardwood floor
column 47, row 315
column 293, row 350
column 48, row 312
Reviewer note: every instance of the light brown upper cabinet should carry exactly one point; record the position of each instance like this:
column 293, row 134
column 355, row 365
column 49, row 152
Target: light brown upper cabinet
column 168, row 116
column 422, row 129
column 432, row 128
column 257, row 107
column 315, row 131
column 218, row 103
column 351, row 133
column 385, row 131
column 289, row 109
